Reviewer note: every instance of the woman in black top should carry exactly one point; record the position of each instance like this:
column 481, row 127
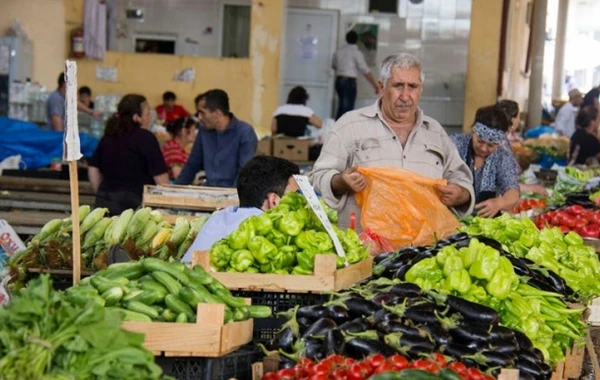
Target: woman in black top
column 585, row 147
column 292, row 118
column 127, row 158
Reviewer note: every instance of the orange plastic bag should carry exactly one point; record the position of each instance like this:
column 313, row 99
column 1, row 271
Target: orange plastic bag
column 404, row 207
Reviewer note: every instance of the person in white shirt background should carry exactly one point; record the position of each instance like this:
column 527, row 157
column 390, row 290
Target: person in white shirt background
column 348, row 62
column 260, row 185
column 565, row 119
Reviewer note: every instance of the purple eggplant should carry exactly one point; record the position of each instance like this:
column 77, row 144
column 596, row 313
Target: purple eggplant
column 406, row 289
column 334, row 342
column 472, row 311
column 360, row 307
column 357, row 325
column 284, row 340
column 338, row 313
column 320, row 328
column 437, row 333
column 312, row 312
column 359, row 348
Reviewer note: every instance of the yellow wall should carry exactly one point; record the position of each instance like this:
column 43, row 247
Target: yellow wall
column 252, row 84
column 482, row 60
column 43, row 22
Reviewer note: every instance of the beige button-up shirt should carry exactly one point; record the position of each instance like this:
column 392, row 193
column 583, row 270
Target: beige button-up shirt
column 348, row 61
column 362, row 138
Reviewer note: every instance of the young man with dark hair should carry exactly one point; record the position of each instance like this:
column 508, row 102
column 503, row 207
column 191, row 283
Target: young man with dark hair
column 261, row 184
column 55, row 106
column 169, row 111
column 84, row 96
column 223, row 145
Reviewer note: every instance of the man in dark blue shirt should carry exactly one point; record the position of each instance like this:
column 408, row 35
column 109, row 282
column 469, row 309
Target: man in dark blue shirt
column 223, row 146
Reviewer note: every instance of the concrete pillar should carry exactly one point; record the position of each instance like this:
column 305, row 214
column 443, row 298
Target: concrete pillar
column 534, row 109
column 558, row 76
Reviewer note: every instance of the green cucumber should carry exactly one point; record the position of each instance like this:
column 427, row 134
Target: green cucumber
column 152, row 285
column 130, row 270
column 148, row 297
column 102, row 284
column 169, row 315
column 181, row 318
column 112, row 296
column 133, row 316
column 133, row 294
column 241, row 314
column 199, row 275
column 139, row 307
column 179, row 306
column 156, row 265
column 167, row 281
column 259, row 311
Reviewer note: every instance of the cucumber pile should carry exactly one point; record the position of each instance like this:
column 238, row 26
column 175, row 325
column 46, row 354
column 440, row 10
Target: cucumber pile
column 154, row 290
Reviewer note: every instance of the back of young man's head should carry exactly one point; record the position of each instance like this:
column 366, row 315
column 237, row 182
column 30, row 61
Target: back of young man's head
column 263, row 180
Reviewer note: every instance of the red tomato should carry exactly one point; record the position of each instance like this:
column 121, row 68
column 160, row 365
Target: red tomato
column 319, row 377
column 439, row 359
column 336, row 359
column 568, row 220
column 564, row 229
column 399, row 362
column 579, row 224
column 376, row 360
column 458, row 367
column 270, row 376
column 358, row 372
column 588, row 215
column 576, row 210
column 595, row 218
column 590, row 231
column 305, row 362
column 348, row 362
column 474, row 374
column 287, row 374
column 338, row 374
column 425, row 365
column 322, row 368
column 556, row 220
column 385, row 367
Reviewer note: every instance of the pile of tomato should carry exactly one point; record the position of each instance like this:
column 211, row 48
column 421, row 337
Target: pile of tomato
column 529, row 204
column 336, row 367
column 573, row 218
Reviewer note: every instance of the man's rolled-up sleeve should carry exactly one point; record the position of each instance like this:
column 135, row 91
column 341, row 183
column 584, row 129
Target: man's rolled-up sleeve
column 457, row 172
column 332, row 160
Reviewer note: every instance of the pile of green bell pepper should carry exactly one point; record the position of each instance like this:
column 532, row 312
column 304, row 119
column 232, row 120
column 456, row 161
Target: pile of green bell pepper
column 283, row 240
column 480, row 274
column 564, row 254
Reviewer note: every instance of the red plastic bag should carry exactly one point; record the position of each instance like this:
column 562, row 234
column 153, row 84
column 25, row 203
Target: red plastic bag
column 404, row 207
column 374, row 243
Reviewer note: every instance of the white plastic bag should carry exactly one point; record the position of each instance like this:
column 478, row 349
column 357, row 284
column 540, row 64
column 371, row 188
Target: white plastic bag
column 11, row 162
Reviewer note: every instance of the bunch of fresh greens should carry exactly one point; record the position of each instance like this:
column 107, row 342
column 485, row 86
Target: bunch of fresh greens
column 44, row 336
column 283, row 240
column 565, row 255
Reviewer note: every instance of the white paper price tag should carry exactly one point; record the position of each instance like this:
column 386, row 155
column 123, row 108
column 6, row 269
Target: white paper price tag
column 71, row 145
column 313, row 201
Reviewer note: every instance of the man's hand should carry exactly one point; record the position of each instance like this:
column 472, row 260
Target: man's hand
column 354, row 180
column 489, row 208
column 349, row 181
column 453, row 195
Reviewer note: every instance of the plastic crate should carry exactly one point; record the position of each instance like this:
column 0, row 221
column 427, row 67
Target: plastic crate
column 266, row 328
column 236, row 365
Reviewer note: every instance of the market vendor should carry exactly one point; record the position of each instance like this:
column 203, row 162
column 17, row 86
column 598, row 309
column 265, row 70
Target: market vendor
column 493, row 167
column 392, row 132
column 169, row 111
column 585, row 147
column 127, row 158
column 55, row 106
column 261, row 184
column 182, row 133
column 223, row 146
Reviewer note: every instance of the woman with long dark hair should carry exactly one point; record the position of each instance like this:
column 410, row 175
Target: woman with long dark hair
column 127, row 158
column 585, row 146
column 293, row 118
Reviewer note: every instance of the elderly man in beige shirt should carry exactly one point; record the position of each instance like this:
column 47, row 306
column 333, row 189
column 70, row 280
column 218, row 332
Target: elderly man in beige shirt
column 393, row 132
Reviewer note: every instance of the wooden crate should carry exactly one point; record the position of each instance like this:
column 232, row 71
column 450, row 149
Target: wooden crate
column 189, row 197
column 326, row 277
column 571, row 367
column 594, row 243
column 208, row 337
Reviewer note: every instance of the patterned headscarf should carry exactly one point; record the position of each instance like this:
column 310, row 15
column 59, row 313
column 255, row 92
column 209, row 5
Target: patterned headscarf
column 491, row 135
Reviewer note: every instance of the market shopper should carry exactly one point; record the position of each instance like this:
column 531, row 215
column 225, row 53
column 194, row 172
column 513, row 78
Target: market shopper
column 493, row 168
column 169, row 111
column 223, row 146
column 585, row 146
column 591, row 98
column 127, row 158
column 293, row 118
column 348, row 62
column 261, row 184
column 393, row 132
column 55, row 107
column 183, row 132
column 565, row 119
column 84, row 96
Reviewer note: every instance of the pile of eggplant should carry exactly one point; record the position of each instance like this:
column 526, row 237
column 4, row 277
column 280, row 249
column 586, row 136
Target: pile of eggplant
column 389, row 317
column 396, row 264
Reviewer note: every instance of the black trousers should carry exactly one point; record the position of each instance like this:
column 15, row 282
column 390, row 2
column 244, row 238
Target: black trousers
column 118, row 201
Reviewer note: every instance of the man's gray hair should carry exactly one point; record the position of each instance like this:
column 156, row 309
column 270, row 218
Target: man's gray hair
column 401, row 60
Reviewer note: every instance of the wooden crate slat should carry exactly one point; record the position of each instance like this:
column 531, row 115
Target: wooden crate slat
column 187, row 200
column 42, row 185
column 324, row 280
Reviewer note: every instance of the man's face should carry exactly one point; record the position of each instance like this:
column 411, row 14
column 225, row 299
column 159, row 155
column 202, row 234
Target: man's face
column 578, row 100
column 401, row 94
column 169, row 104
column 209, row 118
column 85, row 99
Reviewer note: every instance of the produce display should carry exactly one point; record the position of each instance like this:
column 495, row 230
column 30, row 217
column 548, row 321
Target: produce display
column 529, row 204
column 573, row 218
column 391, row 318
column 283, row 240
column 378, row 367
column 153, row 290
column 142, row 233
column 46, row 336
column 563, row 254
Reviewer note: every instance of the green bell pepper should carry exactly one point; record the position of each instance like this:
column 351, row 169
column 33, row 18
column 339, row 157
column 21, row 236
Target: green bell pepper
column 252, row 270
column 301, row 271
column 485, row 264
column 263, row 225
column 500, row 284
column 220, row 254
column 453, row 263
column 277, row 238
column 267, row 268
column 573, row 239
column 294, row 201
column 306, row 260
column 477, row 293
column 290, row 224
column 458, row 280
column 425, row 269
column 262, row 249
column 468, row 256
column 241, row 260
column 239, row 238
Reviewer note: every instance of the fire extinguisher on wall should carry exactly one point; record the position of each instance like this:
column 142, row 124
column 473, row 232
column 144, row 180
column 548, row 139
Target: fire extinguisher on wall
column 77, row 43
